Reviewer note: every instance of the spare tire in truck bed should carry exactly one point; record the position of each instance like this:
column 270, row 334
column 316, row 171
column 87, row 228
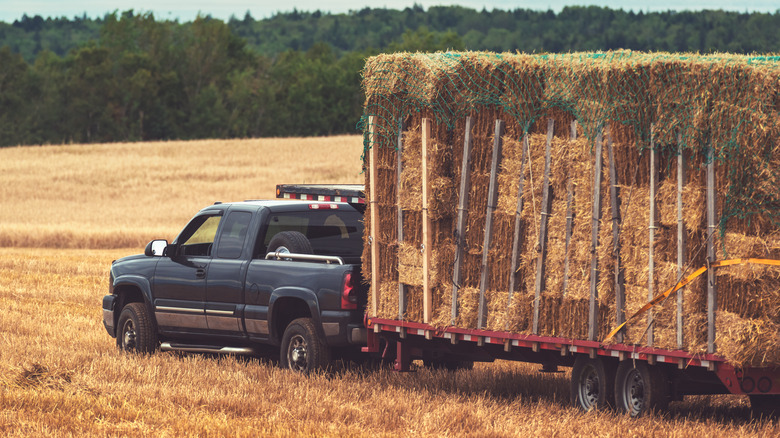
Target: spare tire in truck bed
column 290, row 242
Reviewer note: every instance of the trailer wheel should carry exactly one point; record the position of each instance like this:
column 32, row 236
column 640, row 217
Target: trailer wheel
column 290, row 242
column 593, row 383
column 302, row 349
column 765, row 405
column 136, row 330
column 640, row 388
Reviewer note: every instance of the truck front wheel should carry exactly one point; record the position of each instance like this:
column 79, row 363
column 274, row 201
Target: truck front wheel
column 302, row 348
column 136, row 330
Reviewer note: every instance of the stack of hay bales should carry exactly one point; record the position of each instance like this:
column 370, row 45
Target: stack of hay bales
column 672, row 102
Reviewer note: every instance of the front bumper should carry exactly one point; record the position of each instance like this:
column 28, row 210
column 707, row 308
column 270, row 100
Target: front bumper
column 108, row 314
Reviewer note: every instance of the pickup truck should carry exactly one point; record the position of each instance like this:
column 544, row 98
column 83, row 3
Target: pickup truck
column 240, row 275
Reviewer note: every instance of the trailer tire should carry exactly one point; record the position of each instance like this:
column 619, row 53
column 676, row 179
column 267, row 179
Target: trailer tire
column 136, row 332
column 640, row 388
column 765, row 405
column 593, row 383
column 303, row 350
column 290, row 242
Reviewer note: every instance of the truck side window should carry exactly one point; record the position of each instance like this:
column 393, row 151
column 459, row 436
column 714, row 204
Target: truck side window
column 233, row 235
column 199, row 235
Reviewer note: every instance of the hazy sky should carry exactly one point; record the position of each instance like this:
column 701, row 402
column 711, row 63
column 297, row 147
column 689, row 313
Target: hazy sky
column 186, row 10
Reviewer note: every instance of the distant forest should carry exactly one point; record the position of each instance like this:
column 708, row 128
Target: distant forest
column 128, row 76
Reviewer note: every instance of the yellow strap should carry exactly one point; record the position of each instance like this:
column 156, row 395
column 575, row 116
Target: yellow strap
column 682, row 283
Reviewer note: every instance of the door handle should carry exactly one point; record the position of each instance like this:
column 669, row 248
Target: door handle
column 200, row 273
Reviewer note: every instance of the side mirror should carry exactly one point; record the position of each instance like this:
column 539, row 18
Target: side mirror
column 156, row 248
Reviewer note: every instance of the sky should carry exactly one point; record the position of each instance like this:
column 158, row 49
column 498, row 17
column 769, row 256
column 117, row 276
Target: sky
column 186, row 10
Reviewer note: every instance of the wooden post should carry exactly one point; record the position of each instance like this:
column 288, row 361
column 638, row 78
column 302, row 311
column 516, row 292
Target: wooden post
column 518, row 212
column 542, row 247
column 463, row 205
column 399, row 169
column 426, row 224
column 712, row 291
column 374, row 234
column 593, row 317
column 569, row 219
column 491, row 206
column 680, row 241
column 651, row 246
column 620, row 286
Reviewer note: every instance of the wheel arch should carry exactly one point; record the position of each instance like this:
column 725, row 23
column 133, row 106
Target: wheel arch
column 288, row 304
column 132, row 289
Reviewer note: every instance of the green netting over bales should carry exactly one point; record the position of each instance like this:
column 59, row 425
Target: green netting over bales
column 728, row 101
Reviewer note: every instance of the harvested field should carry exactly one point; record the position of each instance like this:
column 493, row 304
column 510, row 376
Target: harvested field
column 60, row 374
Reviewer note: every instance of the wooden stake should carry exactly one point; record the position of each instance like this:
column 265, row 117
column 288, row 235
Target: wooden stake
column 620, row 286
column 426, row 223
column 593, row 316
column 518, row 212
column 712, row 291
column 491, row 206
column 569, row 219
column 542, row 247
column 463, row 205
column 651, row 245
column 374, row 234
column 399, row 169
column 680, row 241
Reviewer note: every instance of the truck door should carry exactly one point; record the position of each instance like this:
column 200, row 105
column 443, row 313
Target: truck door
column 179, row 284
column 225, row 283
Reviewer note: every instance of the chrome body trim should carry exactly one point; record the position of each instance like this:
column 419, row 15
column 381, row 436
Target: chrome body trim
column 178, row 309
column 304, row 257
column 254, row 326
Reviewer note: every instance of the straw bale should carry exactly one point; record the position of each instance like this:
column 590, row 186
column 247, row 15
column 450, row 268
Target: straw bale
column 747, row 341
column 388, row 300
column 725, row 99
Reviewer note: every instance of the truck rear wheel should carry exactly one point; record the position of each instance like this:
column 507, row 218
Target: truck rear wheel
column 640, row 388
column 302, row 348
column 290, row 242
column 136, row 330
column 593, row 383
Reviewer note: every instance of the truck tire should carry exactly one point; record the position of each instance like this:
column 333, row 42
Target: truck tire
column 302, row 348
column 640, row 388
column 290, row 242
column 136, row 332
column 593, row 383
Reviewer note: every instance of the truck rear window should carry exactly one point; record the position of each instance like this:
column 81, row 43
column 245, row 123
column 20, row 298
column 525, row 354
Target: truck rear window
column 330, row 232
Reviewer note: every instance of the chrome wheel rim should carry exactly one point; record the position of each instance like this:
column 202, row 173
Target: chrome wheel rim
column 128, row 335
column 296, row 353
column 634, row 392
column 589, row 388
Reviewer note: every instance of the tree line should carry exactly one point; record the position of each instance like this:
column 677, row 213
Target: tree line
column 128, row 76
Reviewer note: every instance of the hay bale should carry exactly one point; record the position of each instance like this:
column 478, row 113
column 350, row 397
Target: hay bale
column 728, row 102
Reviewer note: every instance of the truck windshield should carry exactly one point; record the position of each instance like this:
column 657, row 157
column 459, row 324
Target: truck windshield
column 330, row 232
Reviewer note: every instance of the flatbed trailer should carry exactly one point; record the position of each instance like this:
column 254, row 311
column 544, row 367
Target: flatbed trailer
column 633, row 378
column 600, row 369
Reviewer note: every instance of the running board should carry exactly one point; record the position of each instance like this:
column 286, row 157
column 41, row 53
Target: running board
column 192, row 348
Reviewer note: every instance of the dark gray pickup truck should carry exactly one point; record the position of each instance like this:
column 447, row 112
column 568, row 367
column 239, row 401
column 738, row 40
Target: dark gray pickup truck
column 279, row 272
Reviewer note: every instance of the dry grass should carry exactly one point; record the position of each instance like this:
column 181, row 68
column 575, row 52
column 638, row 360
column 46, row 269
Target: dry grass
column 60, row 374
column 125, row 194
